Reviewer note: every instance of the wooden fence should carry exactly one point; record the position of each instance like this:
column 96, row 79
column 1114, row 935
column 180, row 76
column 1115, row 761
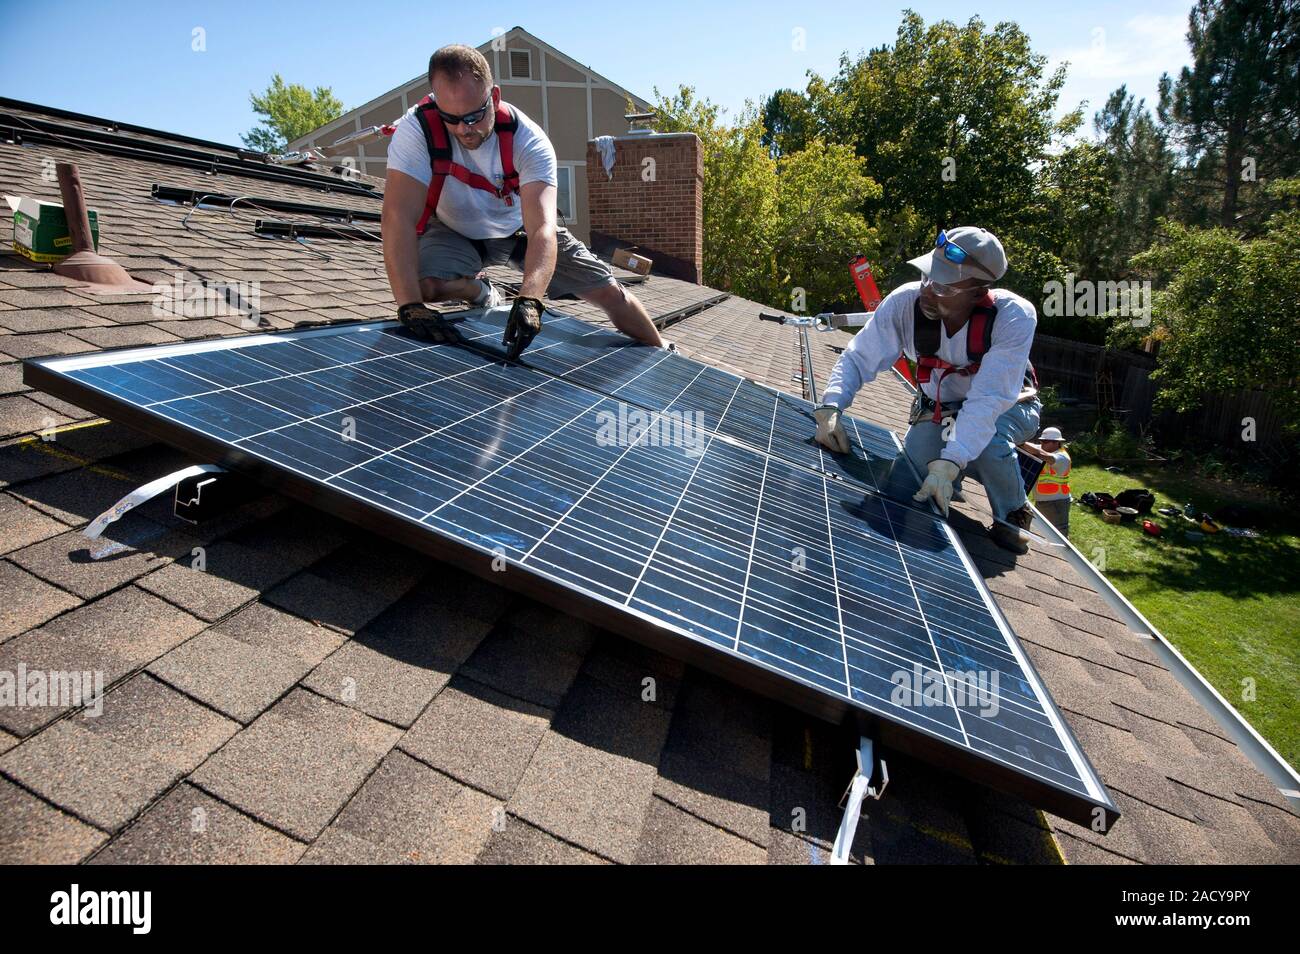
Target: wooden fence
column 1075, row 368
column 1222, row 418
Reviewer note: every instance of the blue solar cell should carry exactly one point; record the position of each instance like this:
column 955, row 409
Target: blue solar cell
column 600, row 359
column 684, row 497
column 1030, row 468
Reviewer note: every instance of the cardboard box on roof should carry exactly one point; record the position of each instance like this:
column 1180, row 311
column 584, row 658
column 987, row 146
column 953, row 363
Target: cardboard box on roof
column 41, row 229
column 626, row 258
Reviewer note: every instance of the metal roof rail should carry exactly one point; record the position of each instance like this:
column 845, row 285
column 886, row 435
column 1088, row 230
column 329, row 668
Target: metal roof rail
column 187, row 196
column 113, row 125
column 349, row 142
column 270, row 228
column 23, row 129
column 672, row 317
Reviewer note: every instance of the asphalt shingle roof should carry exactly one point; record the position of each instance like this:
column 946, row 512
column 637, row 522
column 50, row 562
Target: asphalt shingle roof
column 323, row 695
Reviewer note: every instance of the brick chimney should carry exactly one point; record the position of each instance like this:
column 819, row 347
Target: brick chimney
column 657, row 206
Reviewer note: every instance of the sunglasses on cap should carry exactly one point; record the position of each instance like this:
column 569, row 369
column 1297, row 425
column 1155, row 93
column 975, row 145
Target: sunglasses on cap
column 469, row 119
column 957, row 255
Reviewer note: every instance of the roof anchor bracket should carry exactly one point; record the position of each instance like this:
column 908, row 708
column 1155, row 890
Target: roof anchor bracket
column 134, row 499
column 209, row 494
column 860, row 789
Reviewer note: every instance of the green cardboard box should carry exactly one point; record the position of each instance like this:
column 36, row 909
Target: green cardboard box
column 41, row 229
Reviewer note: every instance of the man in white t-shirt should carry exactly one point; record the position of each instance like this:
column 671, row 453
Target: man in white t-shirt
column 977, row 397
column 484, row 215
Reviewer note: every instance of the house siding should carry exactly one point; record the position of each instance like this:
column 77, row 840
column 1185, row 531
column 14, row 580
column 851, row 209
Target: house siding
column 573, row 104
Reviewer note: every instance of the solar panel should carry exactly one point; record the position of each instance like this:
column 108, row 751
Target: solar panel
column 1030, row 468
column 657, row 496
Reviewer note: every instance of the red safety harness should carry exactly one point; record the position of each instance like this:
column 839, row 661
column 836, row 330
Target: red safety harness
column 979, row 340
column 439, row 143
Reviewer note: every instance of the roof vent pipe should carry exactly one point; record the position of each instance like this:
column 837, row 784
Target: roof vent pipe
column 103, row 275
column 639, row 124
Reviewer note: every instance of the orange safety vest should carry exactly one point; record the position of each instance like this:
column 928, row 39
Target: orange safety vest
column 1052, row 485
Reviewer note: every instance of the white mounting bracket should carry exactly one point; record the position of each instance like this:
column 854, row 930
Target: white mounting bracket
column 138, row 496
column 860, row 788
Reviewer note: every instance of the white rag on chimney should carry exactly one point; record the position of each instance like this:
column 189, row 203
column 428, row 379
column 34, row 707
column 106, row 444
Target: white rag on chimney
column 605, row 146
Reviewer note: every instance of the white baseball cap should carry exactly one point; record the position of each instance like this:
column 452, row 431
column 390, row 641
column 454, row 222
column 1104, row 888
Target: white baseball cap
column 984, row 257
column 1051, row 434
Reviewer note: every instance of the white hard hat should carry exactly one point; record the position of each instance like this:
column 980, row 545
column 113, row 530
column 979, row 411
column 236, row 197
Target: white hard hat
column 1051, row 434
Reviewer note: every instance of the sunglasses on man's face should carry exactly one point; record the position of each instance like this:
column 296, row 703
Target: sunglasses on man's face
column 469, row 119
column 947, row 291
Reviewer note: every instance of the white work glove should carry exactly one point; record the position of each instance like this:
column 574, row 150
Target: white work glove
column 830, row 432
column 938, row 484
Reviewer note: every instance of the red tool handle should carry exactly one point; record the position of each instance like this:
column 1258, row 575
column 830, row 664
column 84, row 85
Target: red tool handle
column 866, row 283
column 860, row 268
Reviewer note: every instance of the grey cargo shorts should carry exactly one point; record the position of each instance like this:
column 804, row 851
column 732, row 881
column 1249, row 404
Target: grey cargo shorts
column 445, row 253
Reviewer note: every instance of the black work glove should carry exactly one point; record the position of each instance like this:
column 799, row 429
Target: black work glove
column 427, row 324
column 524, row 324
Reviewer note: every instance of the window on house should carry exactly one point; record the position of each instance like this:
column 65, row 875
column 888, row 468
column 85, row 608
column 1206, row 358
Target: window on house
column 564, row 196
column 521, row 64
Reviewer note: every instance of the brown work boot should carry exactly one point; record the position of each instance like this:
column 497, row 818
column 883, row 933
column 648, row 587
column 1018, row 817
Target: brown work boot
column 1008, row 538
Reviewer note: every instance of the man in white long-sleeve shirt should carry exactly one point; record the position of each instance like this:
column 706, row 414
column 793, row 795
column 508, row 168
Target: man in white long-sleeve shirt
column 977, row 395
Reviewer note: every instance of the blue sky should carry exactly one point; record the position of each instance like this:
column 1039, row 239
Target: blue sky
column 133, row 61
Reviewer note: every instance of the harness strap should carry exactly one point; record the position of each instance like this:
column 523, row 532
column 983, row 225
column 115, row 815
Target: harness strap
column 925, row 336
column 442, row 164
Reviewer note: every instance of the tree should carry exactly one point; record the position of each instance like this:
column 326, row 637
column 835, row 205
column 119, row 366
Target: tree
column 289, row 111
column 771, row 226
column 954, row 123
column 788, row 122
column 739, row 186
column 1071, row 230
column 1238, row 105
column 1142, row 173
column 820, row 190
column 1225, row 316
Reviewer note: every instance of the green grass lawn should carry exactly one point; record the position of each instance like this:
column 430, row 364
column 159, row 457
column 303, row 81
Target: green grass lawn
column 1231, row 605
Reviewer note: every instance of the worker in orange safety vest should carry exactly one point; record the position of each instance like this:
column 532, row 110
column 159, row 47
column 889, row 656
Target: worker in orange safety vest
column 1052, row 493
